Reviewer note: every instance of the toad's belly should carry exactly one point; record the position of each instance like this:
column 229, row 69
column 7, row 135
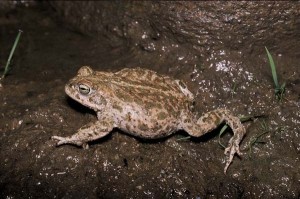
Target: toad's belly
column 145, row 122
column 142, row 130
column 147, row 127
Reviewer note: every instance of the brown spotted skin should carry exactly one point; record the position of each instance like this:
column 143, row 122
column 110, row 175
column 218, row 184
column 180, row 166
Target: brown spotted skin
column 145, row 104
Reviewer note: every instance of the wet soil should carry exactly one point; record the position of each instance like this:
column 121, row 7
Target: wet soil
column 33, row 107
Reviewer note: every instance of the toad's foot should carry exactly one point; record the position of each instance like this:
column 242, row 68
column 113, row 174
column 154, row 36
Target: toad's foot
column 70, row 140
column 233, row 148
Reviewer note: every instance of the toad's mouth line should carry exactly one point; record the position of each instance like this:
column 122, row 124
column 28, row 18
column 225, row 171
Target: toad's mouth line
column 74, row 96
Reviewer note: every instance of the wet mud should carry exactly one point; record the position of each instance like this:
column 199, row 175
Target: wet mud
column 34, row 107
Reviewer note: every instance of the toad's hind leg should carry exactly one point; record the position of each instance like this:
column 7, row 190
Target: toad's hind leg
column 212, row 120
column 85, row 134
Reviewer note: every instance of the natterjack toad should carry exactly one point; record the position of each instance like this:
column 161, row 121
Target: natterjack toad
column 145, row 104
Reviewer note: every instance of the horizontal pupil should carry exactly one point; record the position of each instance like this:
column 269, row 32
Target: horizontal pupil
column 84, row 89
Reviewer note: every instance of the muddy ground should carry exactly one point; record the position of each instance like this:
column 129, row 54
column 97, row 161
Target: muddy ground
column 33, row 107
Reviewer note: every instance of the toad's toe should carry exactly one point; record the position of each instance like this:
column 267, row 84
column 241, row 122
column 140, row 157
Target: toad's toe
column 230, row 151
column 68, row 140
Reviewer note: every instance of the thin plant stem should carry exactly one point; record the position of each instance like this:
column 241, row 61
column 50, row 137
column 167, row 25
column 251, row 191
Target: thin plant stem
column 273, row 68
column 279, row 90
column 6, row 69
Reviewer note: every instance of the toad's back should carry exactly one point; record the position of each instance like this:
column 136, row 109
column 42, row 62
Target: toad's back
column 145, row 88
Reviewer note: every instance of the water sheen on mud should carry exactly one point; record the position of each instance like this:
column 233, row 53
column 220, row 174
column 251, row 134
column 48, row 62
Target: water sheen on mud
column 34, row 107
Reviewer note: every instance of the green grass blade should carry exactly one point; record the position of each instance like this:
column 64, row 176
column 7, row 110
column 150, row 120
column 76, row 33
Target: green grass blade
column 11, row 54
column 221, row 133
column 273, row 68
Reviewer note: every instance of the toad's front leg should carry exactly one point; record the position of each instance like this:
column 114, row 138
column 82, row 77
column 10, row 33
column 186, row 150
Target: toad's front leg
column 85, row 134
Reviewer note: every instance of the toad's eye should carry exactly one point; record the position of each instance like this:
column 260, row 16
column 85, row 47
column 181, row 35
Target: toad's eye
column 84, row 89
